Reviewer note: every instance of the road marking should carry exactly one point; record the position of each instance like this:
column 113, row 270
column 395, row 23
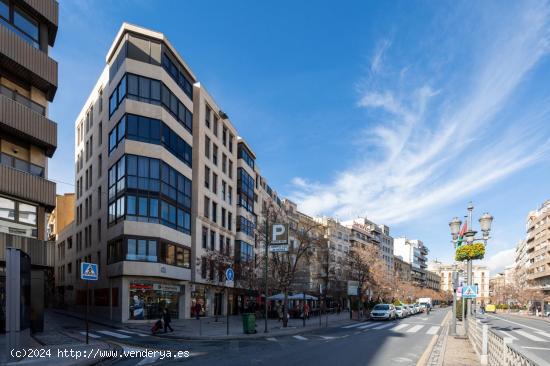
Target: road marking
column 148, row 360
column 367, row 326
column 541, row 348
column 92, row 335
column 400, row 326
column 508, row 335
column 544, row 334
column 516, row 323
column 299, row 337
column 353, row 325
column 272, row 339
column 433, row 330
column 328, row 337
column 113, row 334
column 130, row 332
column 530, row 336
column 423, row 318
column 415, row 329
column 384, row 326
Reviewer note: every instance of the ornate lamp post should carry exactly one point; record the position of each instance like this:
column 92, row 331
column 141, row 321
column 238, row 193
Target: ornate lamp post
column 468, row 234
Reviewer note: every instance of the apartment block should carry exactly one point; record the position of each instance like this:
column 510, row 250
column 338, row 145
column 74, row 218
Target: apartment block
column 28, row 138
column 62, row 215
column 415, row 253
column 537, row 249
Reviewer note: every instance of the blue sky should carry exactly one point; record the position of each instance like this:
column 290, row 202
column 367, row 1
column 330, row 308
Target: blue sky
column 400, row 111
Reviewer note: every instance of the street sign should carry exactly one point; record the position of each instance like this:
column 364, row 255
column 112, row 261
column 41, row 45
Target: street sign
column 229, row 274
column 469, row 291
column 88, row 271
column 279, row 248
column 353, row 288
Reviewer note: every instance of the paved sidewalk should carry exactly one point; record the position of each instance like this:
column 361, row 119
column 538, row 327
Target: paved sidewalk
column 209, row 328
column 459, row 352
column 54, row 346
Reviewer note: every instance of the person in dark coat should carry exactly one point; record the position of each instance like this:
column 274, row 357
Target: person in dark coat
column 167, row 319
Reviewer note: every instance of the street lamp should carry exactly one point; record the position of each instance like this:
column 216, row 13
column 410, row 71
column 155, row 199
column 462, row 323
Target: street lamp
column 485, row 222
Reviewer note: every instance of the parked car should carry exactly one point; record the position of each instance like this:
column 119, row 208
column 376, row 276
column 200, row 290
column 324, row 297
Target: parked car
column 417, row 308
column 383, row 311
column 409, row 309
column 401, row 311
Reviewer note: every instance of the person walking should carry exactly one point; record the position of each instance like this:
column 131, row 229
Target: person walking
column 166, row 318
column 197, row 309
column 306, row 310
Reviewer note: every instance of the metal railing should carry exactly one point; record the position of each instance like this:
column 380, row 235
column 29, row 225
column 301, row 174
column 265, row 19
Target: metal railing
column 22, row 165
column 13, row 95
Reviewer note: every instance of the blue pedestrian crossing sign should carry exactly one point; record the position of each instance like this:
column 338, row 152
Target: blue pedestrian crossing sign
column 469, row 291
column 88, row 271
column 229, row 274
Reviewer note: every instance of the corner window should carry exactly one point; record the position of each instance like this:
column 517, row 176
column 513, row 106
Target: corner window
column 20, row 23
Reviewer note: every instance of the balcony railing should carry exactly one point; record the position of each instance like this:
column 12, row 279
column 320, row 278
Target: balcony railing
column 22, row 165
column 12, row 94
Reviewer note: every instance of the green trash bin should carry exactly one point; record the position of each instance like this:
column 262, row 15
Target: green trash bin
column 249, row 323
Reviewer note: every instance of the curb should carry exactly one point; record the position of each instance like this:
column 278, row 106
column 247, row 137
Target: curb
column 426, row 356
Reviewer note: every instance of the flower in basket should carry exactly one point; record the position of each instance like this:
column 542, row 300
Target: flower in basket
column 470, row 251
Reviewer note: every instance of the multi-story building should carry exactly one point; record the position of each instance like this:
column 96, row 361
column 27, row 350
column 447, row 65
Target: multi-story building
column 415, row 253
column 497, row 286
column 28, row 138
column 537, row 249
column 433, row 281
column 402, row 269
column 480, row 277
column 62, row 215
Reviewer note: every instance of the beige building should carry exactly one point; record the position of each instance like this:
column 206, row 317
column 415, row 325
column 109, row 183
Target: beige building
column 480, row 277
column 536, row 253
column 415, row 253
column 62, row 215
column 28, row 139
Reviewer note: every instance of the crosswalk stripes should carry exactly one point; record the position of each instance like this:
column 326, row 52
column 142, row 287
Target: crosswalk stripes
column 91, row 335
column 131, row 332
column 433, row 330
column 367, row 325
column 400, row 326
column 272, row 339
column 113, row 334
column 509, row 335
column 383, row 326
column 352, row 325
column 415, row 329
column 300, row 338
column 529, row 336
column 544, row 333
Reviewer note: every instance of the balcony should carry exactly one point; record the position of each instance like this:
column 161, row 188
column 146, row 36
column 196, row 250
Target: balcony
column 27, row 186
column 42, row 253
column 22, row 165
column 27, row 62
column 48, row 10
column 26, row 123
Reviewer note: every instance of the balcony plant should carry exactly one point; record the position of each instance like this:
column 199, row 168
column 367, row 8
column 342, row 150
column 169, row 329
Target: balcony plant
column 470, row 251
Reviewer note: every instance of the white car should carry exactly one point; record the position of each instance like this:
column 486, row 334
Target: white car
column 401, row 311
column 410, row 309
column 383, row 311
column 418, row 308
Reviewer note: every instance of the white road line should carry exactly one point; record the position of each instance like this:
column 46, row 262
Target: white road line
column 272, row 339
column 541, row 348
column 328, row 337
column 367, row 326
column 92, row 335
column 299, row 337
column 516, row 323
column 433, row 330
column 508, row 335
column 148, row 360
column 384, row 326
column 130, row 332
column 400, row 326
column 353, row 325
column 113, row 334
column 544, row 334
column 530, row 336
column 416, row 328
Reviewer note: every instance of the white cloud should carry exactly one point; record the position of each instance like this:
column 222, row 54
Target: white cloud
column 438, row 146
column 498, row 261
column 376, row 63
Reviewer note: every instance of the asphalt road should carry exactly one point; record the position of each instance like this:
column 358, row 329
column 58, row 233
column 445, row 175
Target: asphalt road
column 531, row 335
column 400, row 342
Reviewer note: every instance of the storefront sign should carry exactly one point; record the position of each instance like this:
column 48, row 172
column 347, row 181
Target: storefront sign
column 141, row 286
column 162, row 287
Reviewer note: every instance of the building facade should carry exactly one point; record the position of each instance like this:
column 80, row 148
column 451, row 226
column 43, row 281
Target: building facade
column 415, row 253
column 537, row 244
column 62, row 215
column 28, row 138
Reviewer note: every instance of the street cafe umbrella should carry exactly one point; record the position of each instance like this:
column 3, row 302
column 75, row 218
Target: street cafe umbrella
column 301, row 297
column 280, row 296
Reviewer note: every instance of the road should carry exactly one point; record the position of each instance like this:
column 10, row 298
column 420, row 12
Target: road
column 400, row 342
column 530, row 334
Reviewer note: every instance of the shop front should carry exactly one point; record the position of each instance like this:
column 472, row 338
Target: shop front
column 149, row 298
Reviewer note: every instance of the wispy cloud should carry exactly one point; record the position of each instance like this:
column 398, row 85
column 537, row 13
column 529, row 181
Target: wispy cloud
column 436, row 144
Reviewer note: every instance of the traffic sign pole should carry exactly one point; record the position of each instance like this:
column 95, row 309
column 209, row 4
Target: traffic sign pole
column 87, row 323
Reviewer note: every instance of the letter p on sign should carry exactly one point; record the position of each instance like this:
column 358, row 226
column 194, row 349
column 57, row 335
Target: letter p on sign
column 279, row 234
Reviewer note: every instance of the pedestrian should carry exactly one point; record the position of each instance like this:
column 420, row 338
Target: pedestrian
column 198, row 309
column 483, row 308
column 306, row 310
column 166, row 318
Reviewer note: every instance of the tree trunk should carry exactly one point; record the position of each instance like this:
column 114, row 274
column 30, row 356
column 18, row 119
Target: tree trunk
column 285, row 310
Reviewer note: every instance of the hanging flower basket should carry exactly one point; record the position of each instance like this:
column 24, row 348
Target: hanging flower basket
column 470, row 251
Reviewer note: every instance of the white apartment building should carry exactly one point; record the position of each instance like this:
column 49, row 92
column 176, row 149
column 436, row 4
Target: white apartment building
column 415, row 253
column 165, row 190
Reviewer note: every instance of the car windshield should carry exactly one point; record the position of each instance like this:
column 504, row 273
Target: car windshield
column 399, row 308
column 381, row 307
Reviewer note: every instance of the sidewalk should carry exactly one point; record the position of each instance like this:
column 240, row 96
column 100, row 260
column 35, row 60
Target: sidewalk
column 210, row 329
column 458, row 351
column 53, row 346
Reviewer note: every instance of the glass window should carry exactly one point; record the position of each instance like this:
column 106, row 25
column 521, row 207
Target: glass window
column 152, row 251
column 142, row 249
column 133, row 88
column 131, row 205
column 26, row 24
column 27, row 214
column 155, row 90
column 153, row 207
column 170, row 254
column 143, row 206
column 144, row 87
column 131, row 254
column 4, row 9
column 7, row 209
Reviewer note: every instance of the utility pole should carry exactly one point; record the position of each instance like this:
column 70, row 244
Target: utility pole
column 265, row 271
